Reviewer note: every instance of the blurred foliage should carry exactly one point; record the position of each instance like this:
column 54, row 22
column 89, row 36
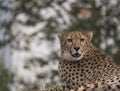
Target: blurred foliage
column 101, row 17
column 39, row 61
column 6, row 21
column 4, row 78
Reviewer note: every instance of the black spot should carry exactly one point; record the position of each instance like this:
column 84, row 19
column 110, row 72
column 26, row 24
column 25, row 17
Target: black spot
column 112, row 81
column 73, row 69
column 81, row 66
column 77, row 73
column 78, row 63
column 91, row 67
column 90, row 59
column 87, row 70
column 66, row 67
column 82, row 70
column 69, row 75
column 73, row 78
column 96, row 86
column 84, row 89
column 68, row 87
column 77, row 83
column 78, row 69
column 85, row 86
column 118, row 86
column 81, row 79
column 73, row 66
column 66, row 72
column 94, row 59
column 81, row 75
column 70, row 64
column 117, row 78
column 109, row 87
column 119, row 81
column 77, row 77
column 89, row 63
column 72, row 74
column 73, row 84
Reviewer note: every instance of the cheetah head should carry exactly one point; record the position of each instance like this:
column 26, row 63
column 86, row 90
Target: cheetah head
column 74, row 45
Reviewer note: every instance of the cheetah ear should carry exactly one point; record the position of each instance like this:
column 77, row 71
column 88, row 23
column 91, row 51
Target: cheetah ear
column 90, row 35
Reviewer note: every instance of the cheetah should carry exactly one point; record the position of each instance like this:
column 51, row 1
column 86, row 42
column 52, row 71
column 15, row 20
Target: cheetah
column 84, row 67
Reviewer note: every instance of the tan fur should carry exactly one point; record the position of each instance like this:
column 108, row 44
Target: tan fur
column 83, row 67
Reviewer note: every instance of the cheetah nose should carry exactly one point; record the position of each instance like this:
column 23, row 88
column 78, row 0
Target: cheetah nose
column 76, row 48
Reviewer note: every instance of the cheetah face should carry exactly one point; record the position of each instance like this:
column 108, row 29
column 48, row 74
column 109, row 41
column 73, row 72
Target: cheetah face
column 74, row 45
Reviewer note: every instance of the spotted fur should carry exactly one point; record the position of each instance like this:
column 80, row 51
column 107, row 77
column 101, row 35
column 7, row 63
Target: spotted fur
column 83, row 67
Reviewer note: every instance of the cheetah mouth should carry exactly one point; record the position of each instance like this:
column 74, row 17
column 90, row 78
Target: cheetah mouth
column 76, row 55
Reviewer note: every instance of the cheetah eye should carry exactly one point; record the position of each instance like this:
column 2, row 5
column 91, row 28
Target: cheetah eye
column 69, row 40
column 81, row 40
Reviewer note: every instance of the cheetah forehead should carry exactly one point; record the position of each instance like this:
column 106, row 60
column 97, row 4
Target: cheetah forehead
column 76, row 35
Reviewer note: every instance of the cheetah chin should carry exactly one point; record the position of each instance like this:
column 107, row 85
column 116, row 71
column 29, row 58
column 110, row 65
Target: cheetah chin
column 72, row 57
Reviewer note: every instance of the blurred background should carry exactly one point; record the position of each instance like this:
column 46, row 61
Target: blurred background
column 29, row 47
